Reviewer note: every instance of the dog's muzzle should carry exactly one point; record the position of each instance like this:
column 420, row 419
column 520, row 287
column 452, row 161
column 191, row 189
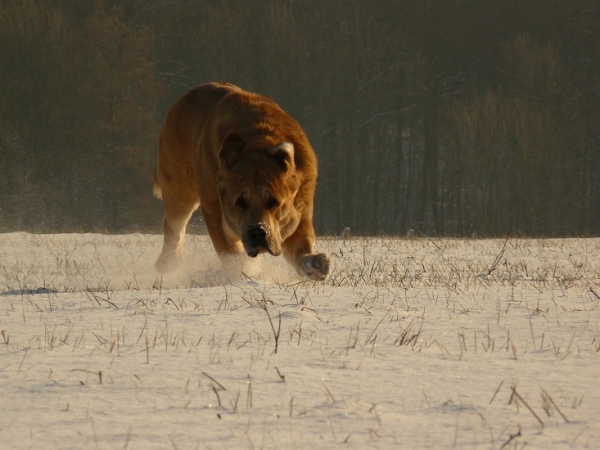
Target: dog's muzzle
column 256, row 239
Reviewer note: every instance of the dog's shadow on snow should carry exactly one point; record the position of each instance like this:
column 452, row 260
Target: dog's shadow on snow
column 29, row 291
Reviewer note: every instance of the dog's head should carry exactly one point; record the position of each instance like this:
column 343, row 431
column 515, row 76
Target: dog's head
column 257, row 188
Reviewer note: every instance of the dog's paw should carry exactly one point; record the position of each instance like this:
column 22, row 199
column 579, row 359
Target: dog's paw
column 315, row 267
column 167, row 263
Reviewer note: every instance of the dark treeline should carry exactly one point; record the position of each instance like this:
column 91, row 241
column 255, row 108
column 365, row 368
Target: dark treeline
column 448, row 117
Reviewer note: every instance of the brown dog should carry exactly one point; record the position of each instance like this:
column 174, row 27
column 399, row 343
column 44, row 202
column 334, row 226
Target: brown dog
column 250, row 168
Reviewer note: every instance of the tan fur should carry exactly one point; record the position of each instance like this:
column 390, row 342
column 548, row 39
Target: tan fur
column 251, row 170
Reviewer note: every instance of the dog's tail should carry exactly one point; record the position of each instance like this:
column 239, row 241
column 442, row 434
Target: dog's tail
column 157, row 190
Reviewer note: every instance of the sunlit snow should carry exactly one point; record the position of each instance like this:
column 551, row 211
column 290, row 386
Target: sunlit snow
column 420, row 343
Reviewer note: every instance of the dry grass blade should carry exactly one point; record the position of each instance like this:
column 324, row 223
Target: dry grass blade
column 376, row 327
column 547, row 396
column 499, row 256
column 214, row 381
column 276, row 333
column 522, row 400
column 511, row 438
column 496, row 392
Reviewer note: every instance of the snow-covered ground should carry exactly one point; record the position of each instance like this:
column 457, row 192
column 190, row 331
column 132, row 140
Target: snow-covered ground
column 427, row 343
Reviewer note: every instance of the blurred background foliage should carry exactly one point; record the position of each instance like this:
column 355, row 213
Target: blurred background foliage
column 448, row 117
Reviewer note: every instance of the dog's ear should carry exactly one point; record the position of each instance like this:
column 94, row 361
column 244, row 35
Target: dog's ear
column 231, row 147
column 283, row 154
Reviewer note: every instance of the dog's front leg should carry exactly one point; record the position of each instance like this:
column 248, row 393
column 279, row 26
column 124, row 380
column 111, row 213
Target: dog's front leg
column 223, row 244
column 298, row 251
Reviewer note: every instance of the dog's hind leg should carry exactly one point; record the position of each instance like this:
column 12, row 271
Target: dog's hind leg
column 178, row 211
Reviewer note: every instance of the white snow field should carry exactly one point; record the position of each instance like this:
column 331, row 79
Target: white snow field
column 422, row 343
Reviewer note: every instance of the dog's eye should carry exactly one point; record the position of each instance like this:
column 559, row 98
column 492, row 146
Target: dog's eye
column 241, row 202
column 272, row 203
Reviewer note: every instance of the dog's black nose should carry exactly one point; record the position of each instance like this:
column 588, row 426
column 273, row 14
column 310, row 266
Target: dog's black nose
column 257, row 234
